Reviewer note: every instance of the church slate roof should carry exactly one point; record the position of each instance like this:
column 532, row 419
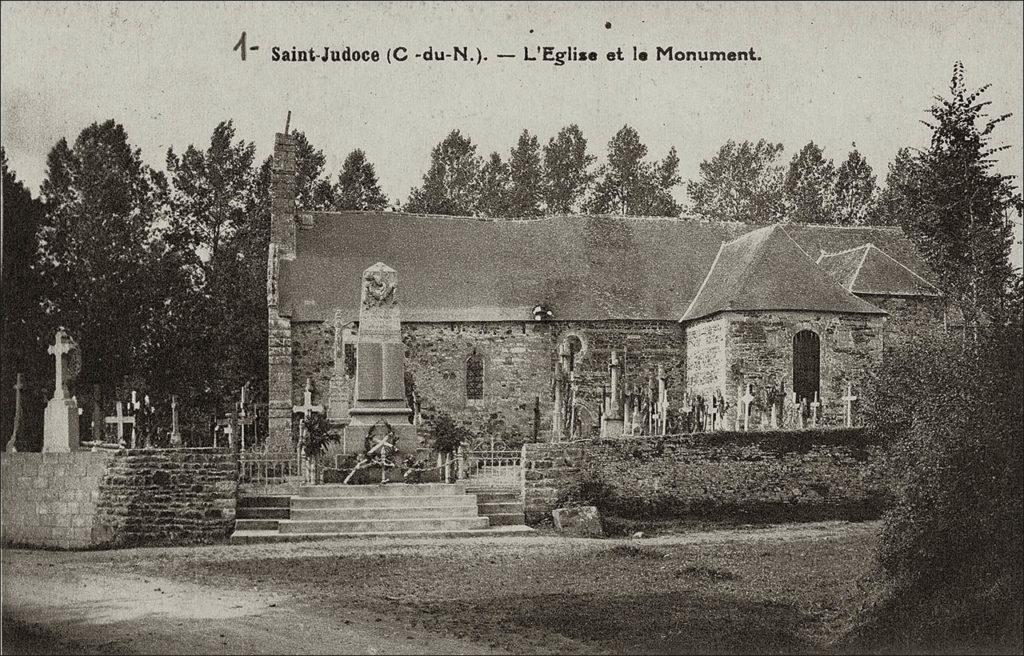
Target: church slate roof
column 459, row 269
column 766, row 269
column 869, row 270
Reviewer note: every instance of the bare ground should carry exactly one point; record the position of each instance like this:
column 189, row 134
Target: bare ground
column 788, row 588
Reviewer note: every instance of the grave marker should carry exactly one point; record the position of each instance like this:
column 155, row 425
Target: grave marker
column 849, row 398
column 747, row 399
column 60, row 425
column 12, row 445
column 175, row 431
column 120, row 419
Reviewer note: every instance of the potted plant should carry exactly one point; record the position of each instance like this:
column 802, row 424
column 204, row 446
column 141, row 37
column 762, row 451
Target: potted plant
column 315, row 441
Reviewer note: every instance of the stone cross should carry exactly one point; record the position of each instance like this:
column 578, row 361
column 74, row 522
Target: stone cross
column 60, row 422
column 662, row 399
column 62, row 345
column 120, row 419
column 747, row 399
column 12, row 445
column 849, row 398
column 615, row 398
column 175, row 431
column 307, row 408
column 814, row 410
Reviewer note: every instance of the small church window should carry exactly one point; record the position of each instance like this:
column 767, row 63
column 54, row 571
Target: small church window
column 475, row 377
column 806, row 364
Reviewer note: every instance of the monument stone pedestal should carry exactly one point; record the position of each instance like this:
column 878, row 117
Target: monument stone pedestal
column 380, row 371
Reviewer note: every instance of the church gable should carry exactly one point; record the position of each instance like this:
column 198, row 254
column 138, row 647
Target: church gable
column 869, row 270
column 767, row 270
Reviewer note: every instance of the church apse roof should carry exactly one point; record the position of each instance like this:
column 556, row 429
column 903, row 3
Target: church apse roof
column 766, row 269
column 587, row 268
column 869, row 270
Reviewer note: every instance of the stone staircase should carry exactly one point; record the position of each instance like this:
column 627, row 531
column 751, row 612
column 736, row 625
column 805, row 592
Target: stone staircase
column 501, row 504
column 397, row 509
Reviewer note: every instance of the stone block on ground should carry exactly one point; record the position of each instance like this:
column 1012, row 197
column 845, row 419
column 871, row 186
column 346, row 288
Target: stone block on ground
column 579, row 520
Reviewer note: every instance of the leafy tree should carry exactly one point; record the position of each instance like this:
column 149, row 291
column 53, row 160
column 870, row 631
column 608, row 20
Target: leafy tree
column 808, row 186
column 494, row 187
column 450, row 185
column 960, row 220
column 22, row 325
column 567, row 176
column 102, row 204
column 525, row 192
column 901, row 193
column 742, row 182
column 629, row 185
column 314, row 192
column 209, row 194
column 666, row 177
column 853, row 195
column 357, row 187
column 950, row 547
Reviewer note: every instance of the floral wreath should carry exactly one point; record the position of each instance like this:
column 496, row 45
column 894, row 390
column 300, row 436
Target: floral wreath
column 379, row 457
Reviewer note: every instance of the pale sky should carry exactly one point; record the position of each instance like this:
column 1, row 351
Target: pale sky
column 833, row 73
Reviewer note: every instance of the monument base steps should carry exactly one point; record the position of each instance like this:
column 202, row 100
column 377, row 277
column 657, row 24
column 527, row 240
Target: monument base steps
column 396, row 510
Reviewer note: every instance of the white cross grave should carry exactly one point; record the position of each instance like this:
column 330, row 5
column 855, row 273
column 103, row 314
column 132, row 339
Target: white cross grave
column 747, row 399
column 120, row 419
column 306, row 410
column 814, row 410
column 849, row 398
column 175, row 432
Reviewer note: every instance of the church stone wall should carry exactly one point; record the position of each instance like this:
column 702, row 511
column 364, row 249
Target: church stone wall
column 519, row 363
column 909, row 316
column 706, row 357
column 760, row 352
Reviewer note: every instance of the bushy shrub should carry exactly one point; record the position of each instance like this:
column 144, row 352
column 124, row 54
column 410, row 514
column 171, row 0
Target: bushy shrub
column 951, row 547
column 445, row 434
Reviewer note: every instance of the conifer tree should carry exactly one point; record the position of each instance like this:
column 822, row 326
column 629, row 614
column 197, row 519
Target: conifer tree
column 357, row 187
column 525, row 192
column 853, row 195
column 567, row 175
column 808, row 187
column 450, row 184
column 494, row 188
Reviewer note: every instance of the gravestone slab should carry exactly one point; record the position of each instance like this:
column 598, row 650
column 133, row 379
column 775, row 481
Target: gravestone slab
column 580, row 520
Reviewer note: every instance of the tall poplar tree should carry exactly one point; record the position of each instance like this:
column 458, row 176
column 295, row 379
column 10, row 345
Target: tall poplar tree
column 357, row 187
column 742, row 182
column 450, row 184
column 525, row 192
column 567, row 174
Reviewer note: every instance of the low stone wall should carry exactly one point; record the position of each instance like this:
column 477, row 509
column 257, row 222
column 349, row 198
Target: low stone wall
column 760, row 476
column 103, row 499
column 169, row 496
column 51, row 499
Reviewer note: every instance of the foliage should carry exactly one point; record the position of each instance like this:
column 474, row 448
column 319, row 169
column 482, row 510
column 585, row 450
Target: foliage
column 957, row 208
column 807, row 187
column 445, row 434
column 742, row 182
column 98, row 249
column 23, row 325
column 629, row 185
column 357, row 187
column 951, row 546
column 494, row 187
column 317, row 437
column 525, row 191
column 450, row 185
column 853, row 194
column 567, row 176
column 313, row 191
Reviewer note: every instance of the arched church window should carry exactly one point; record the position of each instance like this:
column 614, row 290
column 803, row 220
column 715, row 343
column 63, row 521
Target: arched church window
column 806, row 364
column 475, row 377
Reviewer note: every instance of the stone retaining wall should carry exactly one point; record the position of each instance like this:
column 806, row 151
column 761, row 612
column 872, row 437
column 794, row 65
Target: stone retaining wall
column 761, row 476
column 103, row 499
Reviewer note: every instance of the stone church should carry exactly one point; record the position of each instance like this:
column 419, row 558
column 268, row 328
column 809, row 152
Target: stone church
column 497, row 314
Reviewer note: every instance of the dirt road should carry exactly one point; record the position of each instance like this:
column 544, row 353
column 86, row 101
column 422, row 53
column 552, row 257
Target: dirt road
column 163, row 601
